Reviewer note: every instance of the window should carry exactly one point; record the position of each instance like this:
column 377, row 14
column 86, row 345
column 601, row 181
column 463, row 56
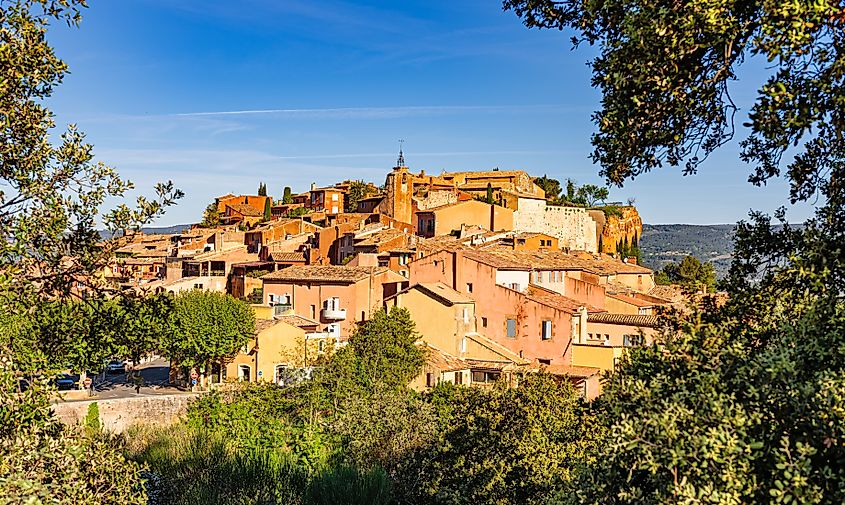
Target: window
column 485, row 377
column 633, row 340
column 334, row 197
column 515, row 286
column 321, row 345
column 363, row 316
column 469, row 287
column 430, row 226
column 459, row 377
column 511, row 328
column 271, row 298
column 465, row 315
column 197, row 286
column 244, row 373
column 313, row 311
column 546, row 362
column 483, row 322
column 546, row 330
column 463, row 346
column 429, row 380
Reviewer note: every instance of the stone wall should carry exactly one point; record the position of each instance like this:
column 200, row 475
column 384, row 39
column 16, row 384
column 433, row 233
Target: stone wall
column 118, row 414
column 438, row 198
column 573, row 226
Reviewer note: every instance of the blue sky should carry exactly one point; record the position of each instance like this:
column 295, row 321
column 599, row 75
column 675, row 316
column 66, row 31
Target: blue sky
column 219, row 96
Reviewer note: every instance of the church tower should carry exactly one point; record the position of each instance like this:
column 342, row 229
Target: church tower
column 399, row 188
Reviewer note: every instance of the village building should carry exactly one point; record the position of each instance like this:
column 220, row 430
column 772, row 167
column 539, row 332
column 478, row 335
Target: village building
column 338, row 297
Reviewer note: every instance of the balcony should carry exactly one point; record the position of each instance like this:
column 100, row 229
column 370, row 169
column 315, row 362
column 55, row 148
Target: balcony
column 333, row 314
column 281, row 309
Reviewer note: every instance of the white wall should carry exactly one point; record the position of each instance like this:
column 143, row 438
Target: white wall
column 508, row 277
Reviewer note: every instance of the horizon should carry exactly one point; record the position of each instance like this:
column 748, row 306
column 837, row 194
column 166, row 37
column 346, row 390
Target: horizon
column 226, row 97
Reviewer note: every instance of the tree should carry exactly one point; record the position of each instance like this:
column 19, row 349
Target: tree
column 742, row 402
column 143, row 323
column 51, row 208
column 210, row 217
column 287, row 196
column 357, row 190
column 664, row 77
column 489, row 195
column 551, row 187
column 298, row 212
column 587, row 195
column 262, row 189
column 268, row 212
column 504, row 445
column 208, row 326
column 689, row 273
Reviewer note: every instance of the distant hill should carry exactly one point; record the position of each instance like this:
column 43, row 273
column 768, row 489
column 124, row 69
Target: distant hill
column 177, row 228
column 665, row 243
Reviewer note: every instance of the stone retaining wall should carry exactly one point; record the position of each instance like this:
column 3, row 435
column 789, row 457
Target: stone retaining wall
column 117, row 414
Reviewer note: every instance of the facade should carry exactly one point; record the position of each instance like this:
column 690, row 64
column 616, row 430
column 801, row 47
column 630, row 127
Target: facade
column 327, row 200
column 338, row 297
column 448, row 218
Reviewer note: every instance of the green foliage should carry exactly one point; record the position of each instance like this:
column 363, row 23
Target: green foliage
column 587, row 195
column 664, row 75
column 489, row 194
column 142, row 324
column 200, row 467
column 505, row 445
column 287, row 196
column 262, row 189
column 207, row 326
column 92, row 419
column 551, row 187
column 350, row 486
column 298, row 212
column 268, row 211
column 689, row 273
column 357, row 190
column 210, row 216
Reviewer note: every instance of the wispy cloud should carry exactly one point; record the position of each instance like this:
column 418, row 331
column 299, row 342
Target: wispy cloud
column 381, row 112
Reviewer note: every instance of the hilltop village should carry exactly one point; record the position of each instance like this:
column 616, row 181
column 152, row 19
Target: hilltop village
column 498, row 280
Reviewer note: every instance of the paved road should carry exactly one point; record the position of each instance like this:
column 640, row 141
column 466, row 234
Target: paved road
column 155, row 374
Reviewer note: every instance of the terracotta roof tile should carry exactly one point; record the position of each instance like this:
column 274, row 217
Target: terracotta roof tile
column 245, row 210
column 556, row 300
column 320, row 273
column 624, row 319
column 297, row 320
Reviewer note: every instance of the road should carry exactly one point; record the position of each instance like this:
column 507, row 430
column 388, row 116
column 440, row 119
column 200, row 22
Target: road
column 155, row 374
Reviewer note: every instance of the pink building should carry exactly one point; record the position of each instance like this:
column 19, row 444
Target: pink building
column 531, row 320
column 338, row 297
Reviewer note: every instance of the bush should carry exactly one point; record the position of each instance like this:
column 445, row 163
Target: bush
column 349, row 486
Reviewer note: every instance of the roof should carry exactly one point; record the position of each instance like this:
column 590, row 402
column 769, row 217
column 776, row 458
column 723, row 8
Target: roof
column 496, row 347
column 556, row 300
column 623, row 319
column 485, row 173
column 297, row 320
column 578, row 372
column 263, row 324
column 442, row 292
column 505, row 259
column 380, row 237
column 282, row 256
column 245, row 210
column 631, row 300
column 324, row 273
column 444, row 361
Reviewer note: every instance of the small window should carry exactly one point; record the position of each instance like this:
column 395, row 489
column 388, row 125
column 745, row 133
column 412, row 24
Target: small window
column 313, row 311
column 429, row 380
column 483, row 322
column 469, row 287
column 463, row 346
column 459, row 377
column 545, row 361
column 363, row 315
column 546, row 330
column 511, row 328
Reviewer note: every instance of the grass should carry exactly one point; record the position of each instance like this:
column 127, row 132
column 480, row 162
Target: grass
column 185, row 466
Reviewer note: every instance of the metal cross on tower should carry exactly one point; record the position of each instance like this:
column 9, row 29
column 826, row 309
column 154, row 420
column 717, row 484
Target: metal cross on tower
column 401, row 161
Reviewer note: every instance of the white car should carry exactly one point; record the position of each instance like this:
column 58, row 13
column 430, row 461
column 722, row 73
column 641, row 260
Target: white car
column 115, row 366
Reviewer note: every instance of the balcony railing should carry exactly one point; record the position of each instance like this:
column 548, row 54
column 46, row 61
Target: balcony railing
column 281, row 309
column 334, row 314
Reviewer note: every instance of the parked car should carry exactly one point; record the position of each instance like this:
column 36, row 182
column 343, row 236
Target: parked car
column 64, row 382
column 116, row 366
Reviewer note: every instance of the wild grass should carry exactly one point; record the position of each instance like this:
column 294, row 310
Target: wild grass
column 186, row 466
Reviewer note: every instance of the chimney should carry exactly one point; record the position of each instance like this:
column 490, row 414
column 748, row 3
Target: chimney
column 313, row 186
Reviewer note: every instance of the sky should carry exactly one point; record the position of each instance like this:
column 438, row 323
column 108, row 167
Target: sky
column 219, row 96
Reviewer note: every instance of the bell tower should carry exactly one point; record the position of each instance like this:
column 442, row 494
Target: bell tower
column 399, row 188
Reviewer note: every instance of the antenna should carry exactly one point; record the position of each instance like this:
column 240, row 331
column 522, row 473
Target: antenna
column 401, row 161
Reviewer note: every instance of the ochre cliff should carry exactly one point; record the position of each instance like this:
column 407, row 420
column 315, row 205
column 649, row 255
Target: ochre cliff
column 616, row 224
